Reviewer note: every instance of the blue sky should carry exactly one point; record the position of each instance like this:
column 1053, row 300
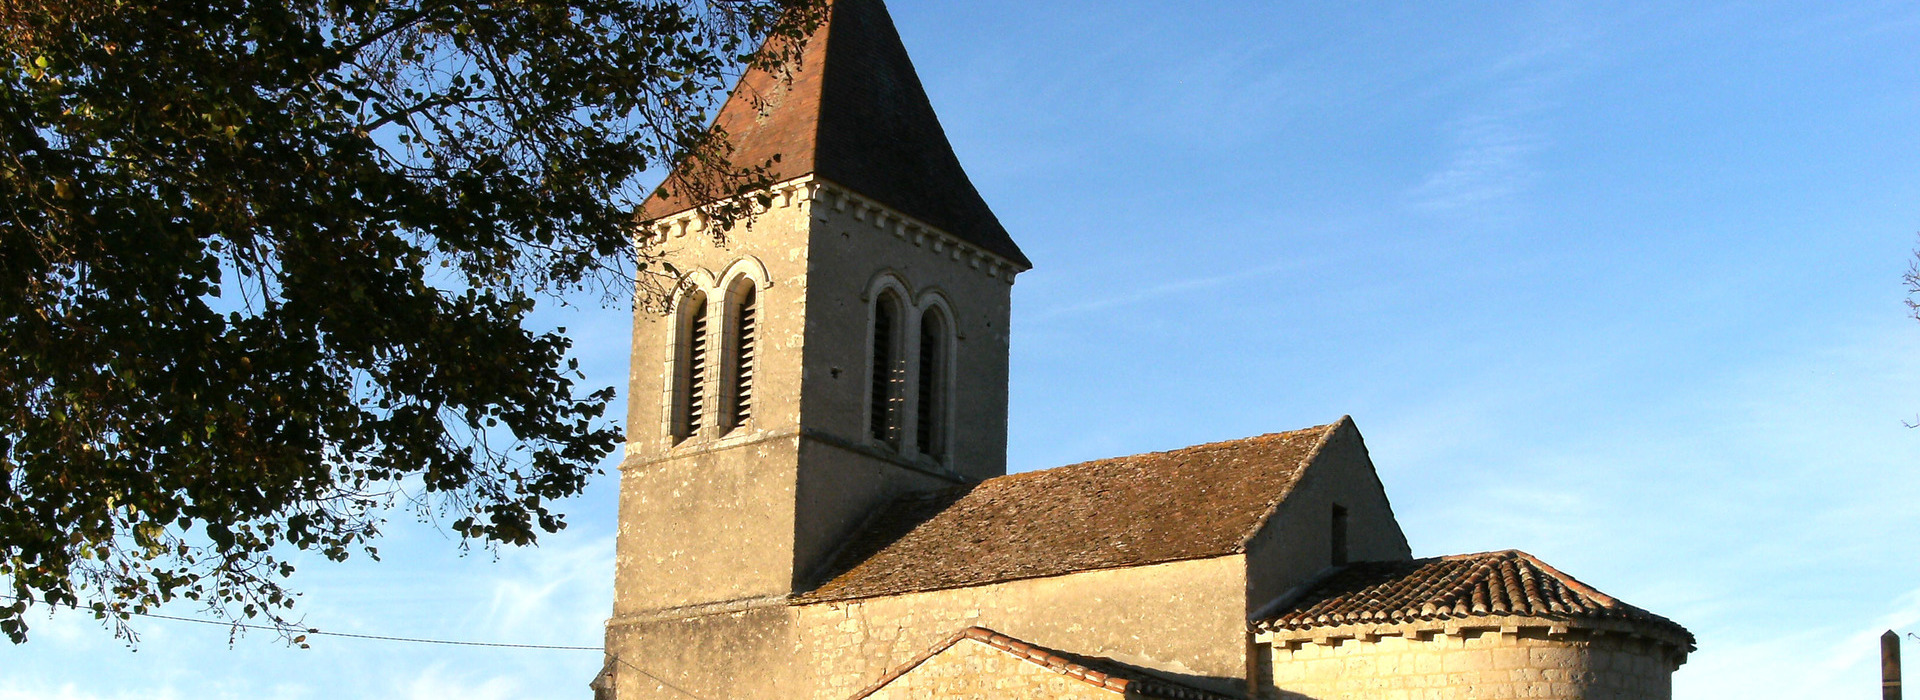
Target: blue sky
column 1614, row 283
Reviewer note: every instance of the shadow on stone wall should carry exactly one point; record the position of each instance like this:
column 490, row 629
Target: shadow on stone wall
column 1232, row 687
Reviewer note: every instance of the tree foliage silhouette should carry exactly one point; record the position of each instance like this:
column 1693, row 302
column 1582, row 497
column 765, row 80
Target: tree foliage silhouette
column 266, row 270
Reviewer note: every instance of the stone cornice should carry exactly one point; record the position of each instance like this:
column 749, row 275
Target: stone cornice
column 640, row 456
column 1473, row 625
column 833, row 197
column 698, row 610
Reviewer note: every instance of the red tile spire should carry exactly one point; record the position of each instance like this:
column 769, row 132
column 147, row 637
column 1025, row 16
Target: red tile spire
column 853, row 112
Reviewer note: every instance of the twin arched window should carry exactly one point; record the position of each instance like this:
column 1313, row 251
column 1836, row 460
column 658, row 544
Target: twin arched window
column 696, row 409
column 716, row 356
column 909, row 365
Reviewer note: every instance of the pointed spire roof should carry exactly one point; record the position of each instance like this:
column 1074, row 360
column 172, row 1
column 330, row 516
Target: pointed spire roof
column 854, row 113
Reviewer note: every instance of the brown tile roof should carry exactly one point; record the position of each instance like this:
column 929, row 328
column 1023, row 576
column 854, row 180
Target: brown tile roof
column 1192, row 503
column 1096, row 671
column 855, row 113
column 1494, row 584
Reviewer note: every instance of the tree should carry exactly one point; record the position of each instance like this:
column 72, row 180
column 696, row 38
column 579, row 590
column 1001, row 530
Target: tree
column 266, row 270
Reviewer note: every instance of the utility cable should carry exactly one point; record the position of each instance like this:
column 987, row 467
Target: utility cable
column 662, row 681
column 318, row 633
column 412, row 640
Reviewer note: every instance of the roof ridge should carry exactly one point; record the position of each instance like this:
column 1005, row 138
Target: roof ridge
column 1559, row 576
column 904, row 669
column 1306, row 463
column 1053, row 660
column 1205, row 446
column 1047, row 658
column 1215, row 445
column 1569, row 581
column 1223, row 444
column 1129, row 682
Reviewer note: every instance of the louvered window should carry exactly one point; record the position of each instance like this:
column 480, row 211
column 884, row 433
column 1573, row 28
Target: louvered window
column 745, row 339
column 692, row 370
column 883, row 416
column 931, row 415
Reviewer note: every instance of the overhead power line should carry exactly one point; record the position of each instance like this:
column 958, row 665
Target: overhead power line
column 413, row 640
column 317, row 633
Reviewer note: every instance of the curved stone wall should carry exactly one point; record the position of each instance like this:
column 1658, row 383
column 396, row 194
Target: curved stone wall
column 1519, row 663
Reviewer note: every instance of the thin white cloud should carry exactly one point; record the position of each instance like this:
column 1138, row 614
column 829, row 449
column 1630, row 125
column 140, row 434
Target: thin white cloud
column 1494, row 142
column 12, row 690
column 16, row 690
column 439, row 683
column 1168, row 289
column 1491, row 162
column 555, row 590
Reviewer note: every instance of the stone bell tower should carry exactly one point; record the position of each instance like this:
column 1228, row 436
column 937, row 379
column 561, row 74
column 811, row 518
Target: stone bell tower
column 850, row 345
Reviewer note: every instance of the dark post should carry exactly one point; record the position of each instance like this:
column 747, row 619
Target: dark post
column 1890, row 666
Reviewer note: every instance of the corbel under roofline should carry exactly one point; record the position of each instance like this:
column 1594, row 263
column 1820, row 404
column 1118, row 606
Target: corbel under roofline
column 814, row 189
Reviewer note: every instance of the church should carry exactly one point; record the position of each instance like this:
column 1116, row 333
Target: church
column 814, row 501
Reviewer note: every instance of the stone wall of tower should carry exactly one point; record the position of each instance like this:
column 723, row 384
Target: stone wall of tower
column 705, row 551
column 778, row 493
column 859, row 249
column 736, row 652
column 857, row 243
column 710, row 518
column 717, row 529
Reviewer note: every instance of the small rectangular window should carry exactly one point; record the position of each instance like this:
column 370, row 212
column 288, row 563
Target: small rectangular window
column 1338, row 538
